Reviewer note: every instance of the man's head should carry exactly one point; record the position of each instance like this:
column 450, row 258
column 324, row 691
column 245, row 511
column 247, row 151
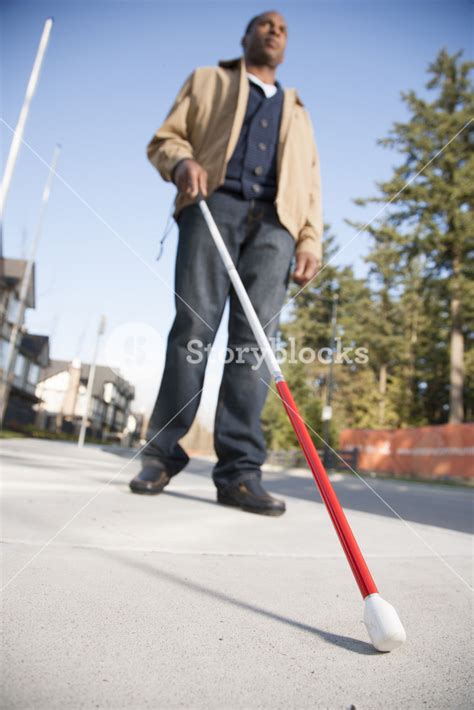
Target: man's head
column 265, row 38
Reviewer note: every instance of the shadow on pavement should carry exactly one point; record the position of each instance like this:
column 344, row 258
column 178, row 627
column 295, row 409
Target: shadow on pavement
column 346, row 642
column 441, row 506
column 436, row 505
column 188, row 496
column 125, row 452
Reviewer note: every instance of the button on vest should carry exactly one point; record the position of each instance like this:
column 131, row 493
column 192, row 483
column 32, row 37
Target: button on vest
column 251, row 170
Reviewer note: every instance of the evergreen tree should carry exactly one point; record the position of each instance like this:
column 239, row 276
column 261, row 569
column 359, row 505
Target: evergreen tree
column 426, row 237
column 414, row 314
column 308, row 326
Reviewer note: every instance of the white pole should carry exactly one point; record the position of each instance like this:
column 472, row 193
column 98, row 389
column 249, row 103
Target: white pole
column 90, row 384
column 249, row 310
column 20, row 126
column 5, row 384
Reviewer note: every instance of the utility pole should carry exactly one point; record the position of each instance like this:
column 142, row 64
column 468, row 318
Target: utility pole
column 90, row 383
column 5, row 384
column 20, row 126
column 327, row 409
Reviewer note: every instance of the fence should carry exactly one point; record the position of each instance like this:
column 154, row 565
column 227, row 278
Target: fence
column 432, row 452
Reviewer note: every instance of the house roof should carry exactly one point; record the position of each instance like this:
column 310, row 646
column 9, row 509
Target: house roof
column 54, row 367
column 103, row 374
column 11, row 275
column 35, row 347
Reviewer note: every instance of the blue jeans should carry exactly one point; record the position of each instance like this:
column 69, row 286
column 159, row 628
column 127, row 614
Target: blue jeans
column 262, row 250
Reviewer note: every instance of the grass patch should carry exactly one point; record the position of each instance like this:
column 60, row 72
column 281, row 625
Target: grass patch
column 31, row 432
column 9, row 434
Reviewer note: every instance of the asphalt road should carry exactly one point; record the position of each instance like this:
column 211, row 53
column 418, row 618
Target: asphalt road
column 113, row 600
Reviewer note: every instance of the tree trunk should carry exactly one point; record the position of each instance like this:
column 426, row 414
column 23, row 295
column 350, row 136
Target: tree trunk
column 382, row 391
column 456, row 375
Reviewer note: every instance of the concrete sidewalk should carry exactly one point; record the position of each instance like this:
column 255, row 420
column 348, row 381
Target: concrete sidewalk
column 173, row 601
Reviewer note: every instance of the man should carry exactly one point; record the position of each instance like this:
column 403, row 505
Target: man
column 234, row 135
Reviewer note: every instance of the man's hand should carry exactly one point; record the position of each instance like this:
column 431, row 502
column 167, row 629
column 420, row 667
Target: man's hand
column 307, row 266
column 190, row 178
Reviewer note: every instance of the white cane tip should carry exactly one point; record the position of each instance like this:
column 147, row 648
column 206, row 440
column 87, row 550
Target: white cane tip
column 383, row 624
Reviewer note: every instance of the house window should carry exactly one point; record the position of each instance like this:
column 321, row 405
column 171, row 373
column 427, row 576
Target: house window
column 13, row 309
column 4, row 350
column 109, row 417
column 97, row 407
column 20, row 363
column 109, row 391
column 33, row 374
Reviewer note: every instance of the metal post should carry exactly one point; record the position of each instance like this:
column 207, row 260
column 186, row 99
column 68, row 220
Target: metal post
column 90, row 383
column 327, row 409
column 20, row 126
column 6, row 382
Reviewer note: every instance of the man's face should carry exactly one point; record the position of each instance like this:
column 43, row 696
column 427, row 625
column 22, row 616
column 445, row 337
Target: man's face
column 266, row 41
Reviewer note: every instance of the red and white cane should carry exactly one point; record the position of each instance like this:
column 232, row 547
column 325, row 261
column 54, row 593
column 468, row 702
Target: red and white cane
column 381, row 619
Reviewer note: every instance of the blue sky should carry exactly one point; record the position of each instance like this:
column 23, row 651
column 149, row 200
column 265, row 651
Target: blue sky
column 110, row 75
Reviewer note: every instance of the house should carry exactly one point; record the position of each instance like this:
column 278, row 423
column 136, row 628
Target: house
column 11, row 277
column 62, row 389
column 33, row 350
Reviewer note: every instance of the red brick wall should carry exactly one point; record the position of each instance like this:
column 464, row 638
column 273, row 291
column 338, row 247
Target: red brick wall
column 426, row 452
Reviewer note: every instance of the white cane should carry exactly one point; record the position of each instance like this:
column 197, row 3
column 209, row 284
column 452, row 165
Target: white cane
column 381, row 619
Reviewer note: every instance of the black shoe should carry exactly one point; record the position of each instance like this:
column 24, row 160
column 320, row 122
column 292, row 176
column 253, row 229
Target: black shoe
column 151, row 480
column 251, row 497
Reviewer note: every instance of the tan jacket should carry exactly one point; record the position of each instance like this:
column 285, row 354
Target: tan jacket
column 204, row 124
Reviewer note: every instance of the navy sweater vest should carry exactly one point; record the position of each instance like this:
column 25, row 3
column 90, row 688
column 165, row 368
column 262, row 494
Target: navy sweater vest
column 251, row 171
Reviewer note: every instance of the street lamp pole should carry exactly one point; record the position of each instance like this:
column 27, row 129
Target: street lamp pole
column 90, row 383
column 20, row 126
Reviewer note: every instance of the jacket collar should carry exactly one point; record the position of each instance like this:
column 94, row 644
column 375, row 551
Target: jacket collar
column 231, row 63
column 239, row 63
